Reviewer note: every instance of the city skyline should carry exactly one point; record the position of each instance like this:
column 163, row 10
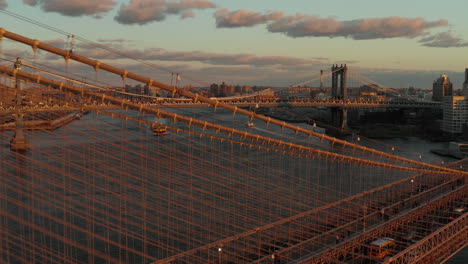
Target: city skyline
column 397, row 44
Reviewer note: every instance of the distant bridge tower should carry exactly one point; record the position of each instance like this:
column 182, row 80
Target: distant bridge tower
column 339, row 90
column 339, row 82
column 321, row 80
column 19, row 142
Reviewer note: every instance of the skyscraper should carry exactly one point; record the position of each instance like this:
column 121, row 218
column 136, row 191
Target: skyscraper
column 465, row 84
column 441, row 87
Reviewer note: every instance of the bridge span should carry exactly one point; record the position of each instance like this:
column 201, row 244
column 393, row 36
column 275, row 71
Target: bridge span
column 299, row 102
column 189, row 103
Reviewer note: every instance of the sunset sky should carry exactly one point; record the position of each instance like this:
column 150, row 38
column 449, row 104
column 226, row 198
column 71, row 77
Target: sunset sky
column 397, row 43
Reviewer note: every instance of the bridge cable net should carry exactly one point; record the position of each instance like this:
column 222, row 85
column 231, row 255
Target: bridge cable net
column 208, row 193
column 102, row 183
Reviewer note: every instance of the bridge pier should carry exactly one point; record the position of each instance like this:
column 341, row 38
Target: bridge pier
column 339, row 118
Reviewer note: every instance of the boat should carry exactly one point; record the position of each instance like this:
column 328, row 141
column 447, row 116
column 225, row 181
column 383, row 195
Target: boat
column 158, row 129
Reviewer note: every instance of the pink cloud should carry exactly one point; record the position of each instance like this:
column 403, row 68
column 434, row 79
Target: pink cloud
column 301, row 25
column 146, row 11
column 364, row 28
column 243, row 18
column 74, row 7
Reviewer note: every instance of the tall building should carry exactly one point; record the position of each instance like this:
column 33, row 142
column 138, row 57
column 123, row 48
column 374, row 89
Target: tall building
column 465, row 84
column 455, row 114
column 441, row 87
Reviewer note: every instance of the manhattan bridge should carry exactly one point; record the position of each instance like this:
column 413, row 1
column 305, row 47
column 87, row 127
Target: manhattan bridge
column 105, row 187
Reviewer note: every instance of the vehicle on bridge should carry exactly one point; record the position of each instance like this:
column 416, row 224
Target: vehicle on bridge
column 380, row 248
column 456, row 212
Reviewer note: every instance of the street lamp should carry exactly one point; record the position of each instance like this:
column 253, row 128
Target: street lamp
column 220, row 255
column 412, row 187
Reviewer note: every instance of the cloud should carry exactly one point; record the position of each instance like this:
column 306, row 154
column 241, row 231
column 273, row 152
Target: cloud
column 443, row 40
column 74, row 7
column 243, row 18
column 301, row 25
column 159, row 54
column 3, row 4
column 364, row 28
column 146, row 11
column 187, row 14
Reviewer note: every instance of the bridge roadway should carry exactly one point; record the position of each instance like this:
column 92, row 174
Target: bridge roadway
column 424, row 234
column 417, row 212
column 189, row 103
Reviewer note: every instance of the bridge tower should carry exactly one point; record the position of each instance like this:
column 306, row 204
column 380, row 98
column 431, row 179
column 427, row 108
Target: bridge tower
column 19, row 142
column 321, row 80
column 339, row 82
column 339, row 91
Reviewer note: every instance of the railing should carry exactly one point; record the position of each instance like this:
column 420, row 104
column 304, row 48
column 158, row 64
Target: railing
column 455, row 230
column 350, row 246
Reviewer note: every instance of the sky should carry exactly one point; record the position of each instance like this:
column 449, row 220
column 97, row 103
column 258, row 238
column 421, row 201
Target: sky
column 396, row 43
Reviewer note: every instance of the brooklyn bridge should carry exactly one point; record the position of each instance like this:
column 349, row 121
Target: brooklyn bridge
column 188, row 181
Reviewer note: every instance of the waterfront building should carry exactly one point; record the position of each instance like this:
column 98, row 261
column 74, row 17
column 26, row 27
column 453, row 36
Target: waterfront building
column 455, row 114
column 441, row 87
